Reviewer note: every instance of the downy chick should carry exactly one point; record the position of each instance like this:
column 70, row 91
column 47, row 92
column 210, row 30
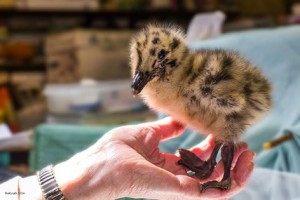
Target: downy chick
column 212, row 91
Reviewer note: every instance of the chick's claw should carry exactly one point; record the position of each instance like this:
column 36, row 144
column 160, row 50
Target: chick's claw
column 223, row 185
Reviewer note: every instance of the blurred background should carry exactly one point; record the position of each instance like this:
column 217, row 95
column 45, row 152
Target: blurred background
column 65, row 62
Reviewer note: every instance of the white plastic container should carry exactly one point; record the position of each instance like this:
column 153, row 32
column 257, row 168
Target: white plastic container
column 104, row 96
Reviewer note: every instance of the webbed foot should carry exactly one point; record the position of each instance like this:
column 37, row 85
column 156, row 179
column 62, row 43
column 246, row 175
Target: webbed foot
column 223, row 185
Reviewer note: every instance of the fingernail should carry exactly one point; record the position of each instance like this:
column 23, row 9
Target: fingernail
column 251, row 153
column 249, row 164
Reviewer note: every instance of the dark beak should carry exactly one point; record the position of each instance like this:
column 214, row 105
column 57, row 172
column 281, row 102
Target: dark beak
column 139, row 81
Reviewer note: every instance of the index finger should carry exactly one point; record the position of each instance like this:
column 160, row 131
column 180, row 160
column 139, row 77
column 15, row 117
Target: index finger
column 166, row 128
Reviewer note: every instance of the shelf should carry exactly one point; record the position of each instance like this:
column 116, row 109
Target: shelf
column 100, row 13
column 89, row 19
column 109, row 19
column 18, row 67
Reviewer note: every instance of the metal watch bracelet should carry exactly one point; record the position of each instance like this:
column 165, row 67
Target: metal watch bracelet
column 49, row 185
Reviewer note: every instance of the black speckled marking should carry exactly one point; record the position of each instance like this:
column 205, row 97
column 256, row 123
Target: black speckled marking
column 257, row 79
column 185, row 94
column 248, row 76
column 189, row 71
column 265, row 87
column 222, row 75
column 210, row 80
column 235, row 125
column 172, row 63
column 234, row 117
column 174, row 44
column 193, row 78
column 152, row 52
column 228, row 102
column 156, row 40
column 153, row 64
column 201, row 68
column 146, row 40
column 139, row 58
column 247, row 90
column 138, row 44
column 147, row 73
column 227, row 61
column 206, row 91
column 203, row 64
column 255, row 104
column 194, row 100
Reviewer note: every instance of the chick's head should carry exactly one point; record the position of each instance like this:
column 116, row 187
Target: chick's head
column 155, row 53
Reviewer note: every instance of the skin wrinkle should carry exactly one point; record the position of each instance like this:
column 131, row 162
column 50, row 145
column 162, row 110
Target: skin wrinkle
column 142, row 138
column 110, row 193
column 135, row 188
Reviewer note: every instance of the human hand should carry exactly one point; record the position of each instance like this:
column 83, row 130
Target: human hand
column 127, row 162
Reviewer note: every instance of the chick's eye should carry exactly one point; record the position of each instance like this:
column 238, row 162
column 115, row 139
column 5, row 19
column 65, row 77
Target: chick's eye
column 161, row 54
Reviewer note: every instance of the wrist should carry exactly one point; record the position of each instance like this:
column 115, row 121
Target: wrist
column 66, row 178
column 85, row 176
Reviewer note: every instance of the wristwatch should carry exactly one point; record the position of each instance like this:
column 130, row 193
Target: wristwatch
column 49, row 185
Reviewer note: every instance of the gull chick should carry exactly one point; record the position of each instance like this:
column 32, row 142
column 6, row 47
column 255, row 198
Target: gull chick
column 211, row 90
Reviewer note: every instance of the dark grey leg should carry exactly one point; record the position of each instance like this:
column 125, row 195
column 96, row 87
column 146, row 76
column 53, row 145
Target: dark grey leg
column 201, row 169
column 227, row 157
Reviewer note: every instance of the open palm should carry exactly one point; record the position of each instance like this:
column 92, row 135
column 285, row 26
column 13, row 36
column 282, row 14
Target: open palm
column 147, row 172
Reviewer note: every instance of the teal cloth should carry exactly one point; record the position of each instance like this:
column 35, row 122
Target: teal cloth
column 277, row 53
column 56, row 143
column 266, row 184
column 4, row 159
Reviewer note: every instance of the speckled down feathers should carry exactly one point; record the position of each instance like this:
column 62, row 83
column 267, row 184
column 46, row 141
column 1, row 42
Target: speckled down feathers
column 213, row 91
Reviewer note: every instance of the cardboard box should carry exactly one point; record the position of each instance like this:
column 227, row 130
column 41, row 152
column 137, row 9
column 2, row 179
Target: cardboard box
column 7, row 4
column 261, row 8
column 57, row 5
column 87, row 54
